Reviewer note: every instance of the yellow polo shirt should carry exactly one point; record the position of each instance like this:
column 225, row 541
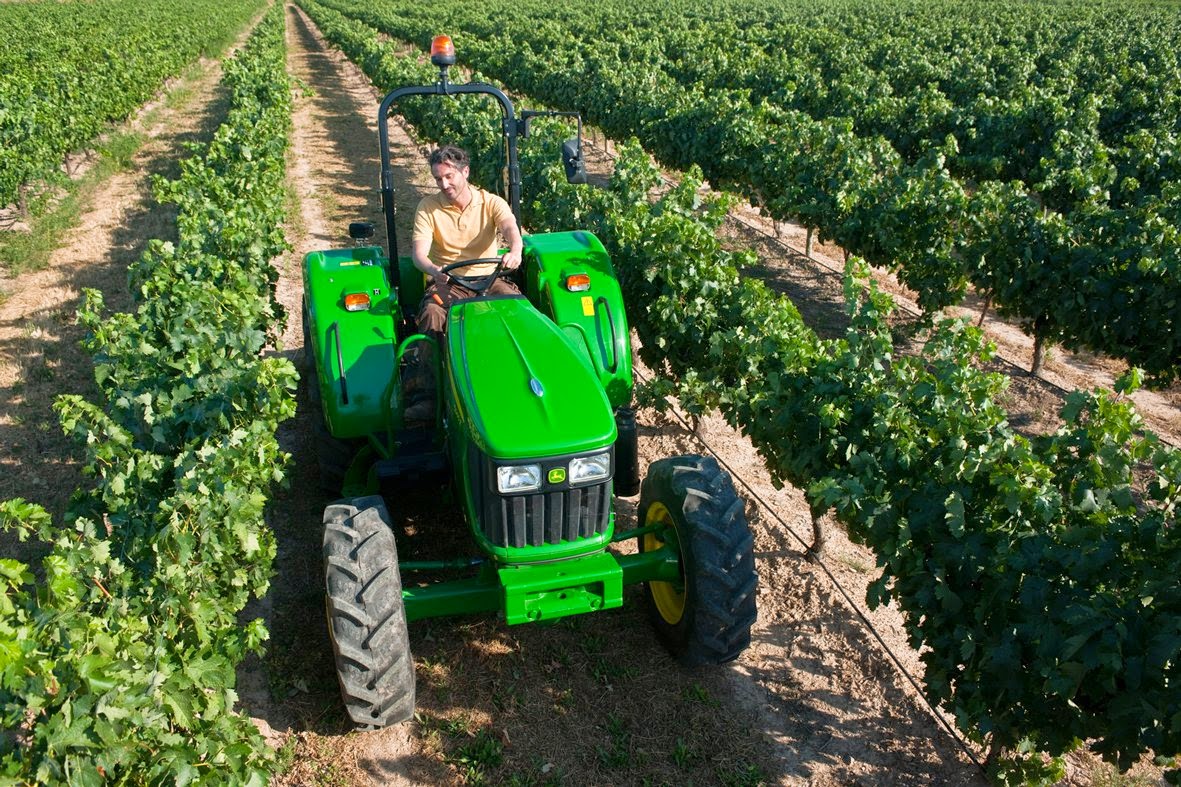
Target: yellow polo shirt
column 466, row 234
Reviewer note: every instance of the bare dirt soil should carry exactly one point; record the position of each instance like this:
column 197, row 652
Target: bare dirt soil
column 589, row 700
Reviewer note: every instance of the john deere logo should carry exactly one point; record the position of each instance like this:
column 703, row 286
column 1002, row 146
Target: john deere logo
column 557, row 475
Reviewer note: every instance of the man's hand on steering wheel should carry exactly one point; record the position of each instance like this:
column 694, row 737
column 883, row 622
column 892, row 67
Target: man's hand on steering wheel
column 511, row 260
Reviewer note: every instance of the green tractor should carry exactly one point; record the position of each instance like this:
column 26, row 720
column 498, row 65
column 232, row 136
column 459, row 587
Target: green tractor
column 535, row 436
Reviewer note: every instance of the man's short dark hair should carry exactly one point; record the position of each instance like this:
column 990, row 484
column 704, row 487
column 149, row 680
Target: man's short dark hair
column 450, row 154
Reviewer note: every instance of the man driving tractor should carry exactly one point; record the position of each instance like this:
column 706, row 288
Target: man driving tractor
column 459, row 223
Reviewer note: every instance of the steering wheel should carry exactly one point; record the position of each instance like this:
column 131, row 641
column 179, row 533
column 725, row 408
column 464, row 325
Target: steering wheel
column 476, row 284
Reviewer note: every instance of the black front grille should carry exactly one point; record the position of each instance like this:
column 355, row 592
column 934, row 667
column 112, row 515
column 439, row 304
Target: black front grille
column 547, row 517
column 544, row 517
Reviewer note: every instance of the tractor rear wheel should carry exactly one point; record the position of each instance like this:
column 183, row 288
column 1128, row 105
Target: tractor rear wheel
column 706, row 617
column 366, row 616
column 333, row 456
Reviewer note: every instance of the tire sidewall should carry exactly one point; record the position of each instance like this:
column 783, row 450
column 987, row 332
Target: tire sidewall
column 717, row 559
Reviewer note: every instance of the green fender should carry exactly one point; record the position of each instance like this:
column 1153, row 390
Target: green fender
column 353, row 350
column 593, row 319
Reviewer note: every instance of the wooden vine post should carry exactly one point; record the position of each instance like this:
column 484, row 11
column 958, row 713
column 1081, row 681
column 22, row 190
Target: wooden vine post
column 1039, row 347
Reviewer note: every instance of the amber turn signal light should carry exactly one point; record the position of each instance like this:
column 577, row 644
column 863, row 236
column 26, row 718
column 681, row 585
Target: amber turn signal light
column 356, row 302
column 579, row 282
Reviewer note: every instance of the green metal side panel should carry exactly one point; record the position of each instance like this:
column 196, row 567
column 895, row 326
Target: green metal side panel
column 360, row 343
column 594, row 320
column 522, row 389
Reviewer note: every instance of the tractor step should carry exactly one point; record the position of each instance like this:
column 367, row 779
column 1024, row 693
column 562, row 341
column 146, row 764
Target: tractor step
column 419, row 459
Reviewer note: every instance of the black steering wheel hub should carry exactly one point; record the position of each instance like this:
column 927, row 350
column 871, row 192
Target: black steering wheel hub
column 479, row 283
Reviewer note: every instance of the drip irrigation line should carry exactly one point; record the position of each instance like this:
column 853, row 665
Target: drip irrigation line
column 1062, row 391
column 865, row 621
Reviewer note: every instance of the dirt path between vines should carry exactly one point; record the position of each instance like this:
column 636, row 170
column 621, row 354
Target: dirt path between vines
column 815, row 286
column 40, row 354
column 593, row 699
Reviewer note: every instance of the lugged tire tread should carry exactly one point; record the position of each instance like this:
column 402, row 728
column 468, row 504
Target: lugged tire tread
column 723, row 607
column 366, row 614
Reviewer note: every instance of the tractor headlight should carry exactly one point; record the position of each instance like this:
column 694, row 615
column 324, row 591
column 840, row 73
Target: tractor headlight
column 585, row 469
column 518, row 478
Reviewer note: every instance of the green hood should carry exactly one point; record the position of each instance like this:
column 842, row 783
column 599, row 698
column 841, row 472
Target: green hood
column 522, row 389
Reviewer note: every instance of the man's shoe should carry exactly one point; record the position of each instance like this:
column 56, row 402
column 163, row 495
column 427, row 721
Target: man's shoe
column 420, row 413
column 417, row 381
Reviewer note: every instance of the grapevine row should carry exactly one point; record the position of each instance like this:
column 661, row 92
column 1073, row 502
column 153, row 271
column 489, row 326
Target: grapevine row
column 69, row 70
column 1036, row 577
column 119, row 666
column 1105, row 275
column 1009, row 81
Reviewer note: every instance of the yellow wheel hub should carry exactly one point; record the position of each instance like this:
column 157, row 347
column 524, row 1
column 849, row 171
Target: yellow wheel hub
column 669, row 598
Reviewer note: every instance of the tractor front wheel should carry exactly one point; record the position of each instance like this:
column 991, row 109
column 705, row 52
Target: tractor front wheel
column 366, row 616
column 705, row 618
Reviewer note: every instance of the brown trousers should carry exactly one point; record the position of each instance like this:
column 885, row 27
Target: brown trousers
column 432, row 312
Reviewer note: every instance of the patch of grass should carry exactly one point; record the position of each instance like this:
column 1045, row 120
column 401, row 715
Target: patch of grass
column 118, row 151
column 683, row 754
column 428, row 730
column 563, row 700
column 285, row 756
column 330, row 775
column 603, row 669
column 543, row 774
column 436, row 675
column 506, row 697
column 179, row 97
column 41, row 374
column 460, row 725
column 860, row 566
column 475, row 759
column 607, row 671
column 302, row 88
column 291, row 199
column 618, row 753
column 554, row 657
column 329, row 204
column 696, row 693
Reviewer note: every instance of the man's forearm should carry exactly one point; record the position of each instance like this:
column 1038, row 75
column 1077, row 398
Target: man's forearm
column 419, row 256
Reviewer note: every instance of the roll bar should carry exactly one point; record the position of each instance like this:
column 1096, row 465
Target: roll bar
column 442, row 87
